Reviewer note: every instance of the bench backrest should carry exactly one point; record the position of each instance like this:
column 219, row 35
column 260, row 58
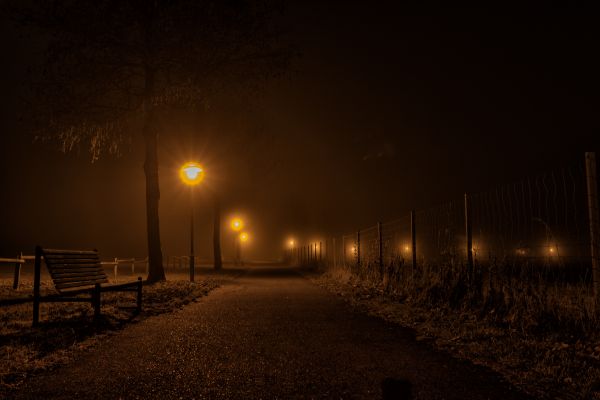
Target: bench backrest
column 73, row 269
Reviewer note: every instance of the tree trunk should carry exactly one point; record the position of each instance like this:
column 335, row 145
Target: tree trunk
column 217, row 235
column 156, row 271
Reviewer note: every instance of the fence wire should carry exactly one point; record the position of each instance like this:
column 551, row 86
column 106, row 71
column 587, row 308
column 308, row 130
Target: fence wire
column 540, row 223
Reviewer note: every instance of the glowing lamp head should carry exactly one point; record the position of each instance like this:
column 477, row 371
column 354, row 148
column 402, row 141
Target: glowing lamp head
column 191, row 173
column 244, row 237
column 237, row 224
column 291, row 242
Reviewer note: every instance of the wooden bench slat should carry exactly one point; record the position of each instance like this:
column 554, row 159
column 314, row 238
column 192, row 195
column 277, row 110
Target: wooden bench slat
column 80, row 281
column 90, row 282
column 58, row 267
column 59, row 251
column 72, row 257
column 73, row 271
column 77, row 273
column 72, row 260
column 77, row 277
column 59, row 273
column 69, row 264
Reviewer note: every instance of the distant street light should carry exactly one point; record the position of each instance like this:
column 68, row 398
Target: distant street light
column 191, row 173
column 243, row 238
column 237, row 224
column 292, row 246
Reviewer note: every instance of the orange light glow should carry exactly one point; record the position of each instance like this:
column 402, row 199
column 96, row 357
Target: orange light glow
column 237, row 224
column 291, row 243
column 244, row 237
column 191, row 173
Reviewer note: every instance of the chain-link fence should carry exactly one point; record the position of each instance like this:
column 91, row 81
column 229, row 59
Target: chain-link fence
column 536, row 229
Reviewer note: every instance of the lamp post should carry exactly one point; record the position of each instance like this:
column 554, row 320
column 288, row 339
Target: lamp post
column 237, row 224
column 243, row 238
column 291, row 244
column 191, row 173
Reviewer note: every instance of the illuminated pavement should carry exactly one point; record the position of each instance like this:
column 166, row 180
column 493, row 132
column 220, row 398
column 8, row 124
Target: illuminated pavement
column 269, row 334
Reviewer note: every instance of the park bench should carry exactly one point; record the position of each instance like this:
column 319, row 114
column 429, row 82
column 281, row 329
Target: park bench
column 75, row 273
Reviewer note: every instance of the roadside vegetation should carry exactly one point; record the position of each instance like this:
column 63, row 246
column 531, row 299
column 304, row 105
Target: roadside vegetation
column 538, row 329
column 68, row 327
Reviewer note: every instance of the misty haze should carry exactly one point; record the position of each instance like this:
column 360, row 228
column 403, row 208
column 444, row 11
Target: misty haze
column 275, row 199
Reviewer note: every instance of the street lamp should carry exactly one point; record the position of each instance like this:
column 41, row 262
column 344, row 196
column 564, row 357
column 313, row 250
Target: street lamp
column 236, row 225
column 243, row 238
column 191, row 173
column 291, row 245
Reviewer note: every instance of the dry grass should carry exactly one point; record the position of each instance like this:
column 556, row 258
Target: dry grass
column 66, row 327
column 542, row 336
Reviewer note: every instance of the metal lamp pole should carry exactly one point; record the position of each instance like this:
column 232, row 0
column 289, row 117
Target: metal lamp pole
column 192, row 269
column 191, row 173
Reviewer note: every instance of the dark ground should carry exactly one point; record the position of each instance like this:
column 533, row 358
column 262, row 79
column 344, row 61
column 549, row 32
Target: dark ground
column 268, row 334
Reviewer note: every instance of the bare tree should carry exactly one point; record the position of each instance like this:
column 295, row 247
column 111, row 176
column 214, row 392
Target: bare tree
column 116, row 68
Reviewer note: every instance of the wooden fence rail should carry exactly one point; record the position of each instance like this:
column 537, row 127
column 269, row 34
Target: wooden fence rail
column 126, row 262
column 17, row 262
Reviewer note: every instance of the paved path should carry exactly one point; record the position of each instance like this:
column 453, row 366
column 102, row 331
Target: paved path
column 269, row 334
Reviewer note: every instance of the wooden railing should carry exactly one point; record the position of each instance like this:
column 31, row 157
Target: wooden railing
column 117, row 262
column 17, row 262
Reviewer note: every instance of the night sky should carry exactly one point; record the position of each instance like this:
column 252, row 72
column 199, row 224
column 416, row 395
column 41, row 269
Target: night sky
column 383, row 110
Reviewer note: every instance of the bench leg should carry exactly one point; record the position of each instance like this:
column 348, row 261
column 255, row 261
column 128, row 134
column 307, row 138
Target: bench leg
column 17, row 276
column 96, row 300
column 139, row 294
column 36, row 286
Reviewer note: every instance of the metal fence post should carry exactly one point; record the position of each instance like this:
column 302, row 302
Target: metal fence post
column 380, row 245
column 413, row 238
column 344, row 256
column 358, row 248
column 36, row 285
column 17, row 274
column 469, row 234
column 115, row 268
column 320, row 251
column 334, row 257
column 592, row 191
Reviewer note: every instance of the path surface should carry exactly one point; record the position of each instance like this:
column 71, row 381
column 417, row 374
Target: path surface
column 269, row 334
